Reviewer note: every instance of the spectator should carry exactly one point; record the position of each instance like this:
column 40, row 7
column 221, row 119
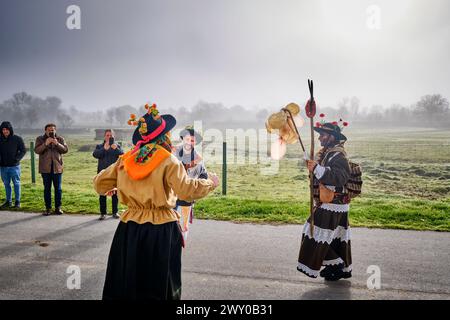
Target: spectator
column 107, row 153
column 12, row 150
column 50, row 148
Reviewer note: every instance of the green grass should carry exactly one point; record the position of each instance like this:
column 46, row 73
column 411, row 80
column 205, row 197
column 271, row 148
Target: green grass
column 406, row 184
column 395, row 214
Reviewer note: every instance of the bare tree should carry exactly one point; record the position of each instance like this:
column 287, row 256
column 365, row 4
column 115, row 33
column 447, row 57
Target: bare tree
column 122, row 114
column 432, row 108
column 64, row 118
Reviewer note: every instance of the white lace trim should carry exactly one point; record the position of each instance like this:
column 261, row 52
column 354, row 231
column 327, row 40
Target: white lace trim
column 347, row 269
column 319, row 171
column 335, row 207
column 307, row 270
column 327, row 235
column 332, row 262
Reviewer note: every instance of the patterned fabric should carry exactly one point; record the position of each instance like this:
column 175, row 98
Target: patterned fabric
column 329, row 245
column 147, row 151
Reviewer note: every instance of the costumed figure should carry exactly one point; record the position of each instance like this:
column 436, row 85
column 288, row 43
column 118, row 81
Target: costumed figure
column 145, row 257
column 195, row 168
column 334, row 181
column 327, row 241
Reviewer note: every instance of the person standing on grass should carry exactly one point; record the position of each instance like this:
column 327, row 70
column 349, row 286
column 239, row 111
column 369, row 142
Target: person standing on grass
column 145, row 257
column 50, row 147
column 107, row 153
column 329, row 245
column 12, row 150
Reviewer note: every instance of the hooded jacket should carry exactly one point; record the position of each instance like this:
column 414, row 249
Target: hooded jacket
column 12, row 148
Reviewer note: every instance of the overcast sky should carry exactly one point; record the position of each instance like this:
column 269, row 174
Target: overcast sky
column 255, row 53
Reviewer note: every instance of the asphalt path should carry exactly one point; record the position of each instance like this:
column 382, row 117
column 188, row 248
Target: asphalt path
column 39, row 255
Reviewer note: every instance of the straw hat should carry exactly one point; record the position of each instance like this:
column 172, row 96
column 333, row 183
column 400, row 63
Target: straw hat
column 279, row 121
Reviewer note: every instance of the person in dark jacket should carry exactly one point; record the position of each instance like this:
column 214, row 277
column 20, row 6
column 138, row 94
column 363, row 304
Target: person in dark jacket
column 107, row 153
column 50, row 147
column 12, row 150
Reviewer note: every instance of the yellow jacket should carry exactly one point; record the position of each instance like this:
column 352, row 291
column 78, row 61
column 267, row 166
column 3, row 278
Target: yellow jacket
column 150, row 190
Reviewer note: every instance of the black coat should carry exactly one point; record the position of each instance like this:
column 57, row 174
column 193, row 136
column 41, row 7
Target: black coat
column 12, row 149
column 106, row 157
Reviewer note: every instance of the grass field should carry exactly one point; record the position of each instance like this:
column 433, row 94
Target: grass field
column 406, row 183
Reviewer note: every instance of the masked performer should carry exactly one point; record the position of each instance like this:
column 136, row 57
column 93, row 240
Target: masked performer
column 195, row 168
column 329, row 245
column 145, row 257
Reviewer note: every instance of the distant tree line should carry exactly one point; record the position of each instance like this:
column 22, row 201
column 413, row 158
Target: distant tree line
column 28, row 111
column 430, row 111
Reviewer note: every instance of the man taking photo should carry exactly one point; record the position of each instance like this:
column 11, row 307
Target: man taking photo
column 50, row 148
column 107, row 153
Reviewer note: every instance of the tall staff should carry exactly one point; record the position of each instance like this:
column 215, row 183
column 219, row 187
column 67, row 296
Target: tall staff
column 310, row 113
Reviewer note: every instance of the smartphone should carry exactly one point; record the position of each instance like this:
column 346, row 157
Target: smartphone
column 111, row 141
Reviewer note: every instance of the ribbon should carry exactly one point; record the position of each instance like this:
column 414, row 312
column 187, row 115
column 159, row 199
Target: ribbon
column 146, row 139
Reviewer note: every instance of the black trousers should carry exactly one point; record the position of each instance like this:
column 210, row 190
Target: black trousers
column 115, row 203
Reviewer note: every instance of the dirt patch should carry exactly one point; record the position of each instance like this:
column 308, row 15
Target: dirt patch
column 87, row 148
column 41, row 244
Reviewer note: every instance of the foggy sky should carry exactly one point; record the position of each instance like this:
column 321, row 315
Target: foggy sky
column 254, row 53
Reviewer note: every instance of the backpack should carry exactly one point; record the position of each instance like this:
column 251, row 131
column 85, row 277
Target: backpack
column 354, row 184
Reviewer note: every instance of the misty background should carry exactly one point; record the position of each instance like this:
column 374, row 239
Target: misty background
column 228, row 63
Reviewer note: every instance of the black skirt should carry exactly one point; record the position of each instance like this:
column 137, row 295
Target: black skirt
column 330, row 244
column 144, row 262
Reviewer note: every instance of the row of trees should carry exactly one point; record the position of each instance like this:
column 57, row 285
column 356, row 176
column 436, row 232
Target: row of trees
column 430, row 111
column 27, row 111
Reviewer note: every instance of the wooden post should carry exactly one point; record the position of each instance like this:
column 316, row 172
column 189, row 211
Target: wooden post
column 33, row 169
column 224, row 169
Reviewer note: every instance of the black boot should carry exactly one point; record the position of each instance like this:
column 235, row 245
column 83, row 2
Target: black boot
column 6, row 205
column 329, row 270
column 338, row 274
column 17, row 205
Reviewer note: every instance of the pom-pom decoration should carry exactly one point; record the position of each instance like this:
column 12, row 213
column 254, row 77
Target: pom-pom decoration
column 310, row 108
column 132, row 121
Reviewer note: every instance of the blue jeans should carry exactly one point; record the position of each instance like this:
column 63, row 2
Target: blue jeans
column 8, row 174
column 56, row 180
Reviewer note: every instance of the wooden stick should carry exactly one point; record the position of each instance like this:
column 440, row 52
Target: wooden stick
column 311, row 181
column 295, row 127
column 312, row 112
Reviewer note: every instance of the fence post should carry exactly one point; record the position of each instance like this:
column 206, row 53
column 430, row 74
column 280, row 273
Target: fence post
column 224, row 169
column 33, row 169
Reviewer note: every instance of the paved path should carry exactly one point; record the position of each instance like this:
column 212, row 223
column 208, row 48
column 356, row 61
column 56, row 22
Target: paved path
column 223, row 260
